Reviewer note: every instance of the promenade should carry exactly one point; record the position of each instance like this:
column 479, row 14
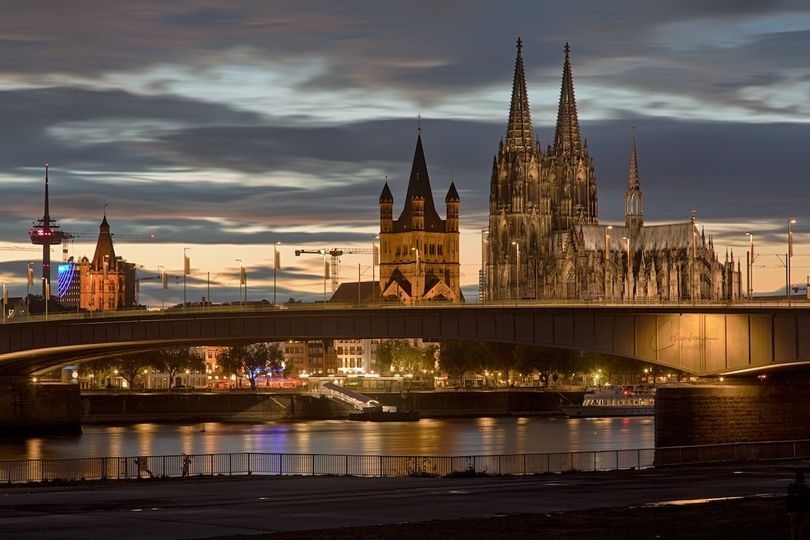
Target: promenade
column 308, row 507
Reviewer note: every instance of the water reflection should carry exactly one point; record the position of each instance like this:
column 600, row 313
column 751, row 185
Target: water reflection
column 429, row 437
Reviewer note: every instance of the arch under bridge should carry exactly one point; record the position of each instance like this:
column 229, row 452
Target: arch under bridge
column 703, row 339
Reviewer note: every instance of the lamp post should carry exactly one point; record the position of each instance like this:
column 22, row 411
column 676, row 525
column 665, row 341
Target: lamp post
column 607, row 255
column 29, row 281
column 375, row 260
column 750, row 266
column 240, row 280
column 105, row 268
column 325, row 273
column 790, row 222
column 417, row 272
column 517, row 270
column 46, row 286
column 276, row 264
column 186, row 272
column 5, row 300
column 483, row 285
column 629, row 268
column 163, row 284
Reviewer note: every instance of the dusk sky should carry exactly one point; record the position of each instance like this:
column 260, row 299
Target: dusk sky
column 225, row 127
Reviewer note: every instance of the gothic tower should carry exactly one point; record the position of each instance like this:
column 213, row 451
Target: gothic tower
column 419, row 251
column 533, row 195
column 633, row 197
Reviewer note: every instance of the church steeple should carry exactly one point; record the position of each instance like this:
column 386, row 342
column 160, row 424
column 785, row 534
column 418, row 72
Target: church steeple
column 105, row 253
column 633, row 197
column 567, row 137
column 519, row 128
column 419, row 210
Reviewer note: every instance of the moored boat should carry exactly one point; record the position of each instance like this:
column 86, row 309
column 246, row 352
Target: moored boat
column 625, row 401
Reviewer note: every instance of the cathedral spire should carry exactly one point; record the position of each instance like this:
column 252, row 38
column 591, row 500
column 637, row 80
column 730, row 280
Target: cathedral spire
column 633, row 197
column 566, row 136
column 519, row 129
column 632, row 181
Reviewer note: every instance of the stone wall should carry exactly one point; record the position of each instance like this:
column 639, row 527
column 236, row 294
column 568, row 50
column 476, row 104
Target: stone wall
column 732, row 412
column 39, row 409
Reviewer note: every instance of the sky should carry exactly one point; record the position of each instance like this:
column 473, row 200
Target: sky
column 225, row 130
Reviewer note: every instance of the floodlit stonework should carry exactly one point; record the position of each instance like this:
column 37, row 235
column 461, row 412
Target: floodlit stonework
column 544, row 240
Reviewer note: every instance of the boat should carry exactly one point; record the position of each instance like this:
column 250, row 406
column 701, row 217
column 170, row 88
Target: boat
column 623, row 401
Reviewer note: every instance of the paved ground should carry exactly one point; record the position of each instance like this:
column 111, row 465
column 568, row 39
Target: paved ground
column 575, row 505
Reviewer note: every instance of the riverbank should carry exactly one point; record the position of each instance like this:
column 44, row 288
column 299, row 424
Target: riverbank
column 257, row 407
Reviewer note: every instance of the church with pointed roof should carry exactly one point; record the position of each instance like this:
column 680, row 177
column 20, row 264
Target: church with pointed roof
column 107, row 281
column 419, row 251
column 544, row 240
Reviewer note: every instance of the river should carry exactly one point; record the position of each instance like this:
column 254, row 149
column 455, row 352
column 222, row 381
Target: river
column 427, row 437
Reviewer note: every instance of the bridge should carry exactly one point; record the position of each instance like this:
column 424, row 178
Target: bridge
column 704, row 340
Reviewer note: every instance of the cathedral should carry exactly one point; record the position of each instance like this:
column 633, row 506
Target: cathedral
column 544, row 240
column 419, row 251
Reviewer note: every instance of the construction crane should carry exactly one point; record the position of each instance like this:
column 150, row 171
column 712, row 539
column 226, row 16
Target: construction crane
column 69, row 236
column 335, row 254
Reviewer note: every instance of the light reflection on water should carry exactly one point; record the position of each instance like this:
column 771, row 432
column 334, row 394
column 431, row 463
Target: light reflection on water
column 436, row 437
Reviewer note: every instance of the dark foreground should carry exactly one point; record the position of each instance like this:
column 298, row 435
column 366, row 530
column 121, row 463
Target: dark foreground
column 667, row 503
column 755, row 519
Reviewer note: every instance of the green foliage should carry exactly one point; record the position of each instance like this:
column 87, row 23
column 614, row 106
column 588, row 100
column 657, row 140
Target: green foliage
column 251, row 361
column 131, row 368
column 175, row 361
column 401, row 357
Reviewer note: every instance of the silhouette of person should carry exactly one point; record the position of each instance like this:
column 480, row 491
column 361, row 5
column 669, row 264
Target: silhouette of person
column 798, row 504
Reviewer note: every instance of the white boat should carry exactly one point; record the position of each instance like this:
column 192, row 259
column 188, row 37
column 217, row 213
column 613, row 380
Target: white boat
column 625, row 401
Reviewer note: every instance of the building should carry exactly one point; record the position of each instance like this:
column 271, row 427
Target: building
column 419, row 251
column 544, row 240
column 107, row 281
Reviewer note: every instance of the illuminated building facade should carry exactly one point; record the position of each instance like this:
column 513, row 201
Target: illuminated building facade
column 419, row 251
column 107, row 281
column 544, row 240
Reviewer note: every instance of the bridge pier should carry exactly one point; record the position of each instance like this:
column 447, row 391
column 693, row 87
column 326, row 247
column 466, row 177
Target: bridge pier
column 736, row 411
column 28, row 408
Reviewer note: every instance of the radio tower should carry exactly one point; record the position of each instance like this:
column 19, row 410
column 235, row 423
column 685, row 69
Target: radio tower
column 46, row 233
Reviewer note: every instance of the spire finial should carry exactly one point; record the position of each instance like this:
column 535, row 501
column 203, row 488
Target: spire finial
column 419, row 123
column 519, row 46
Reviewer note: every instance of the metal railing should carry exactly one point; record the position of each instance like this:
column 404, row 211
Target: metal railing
column 124, row 468
column 250, row 463
column 732, row 452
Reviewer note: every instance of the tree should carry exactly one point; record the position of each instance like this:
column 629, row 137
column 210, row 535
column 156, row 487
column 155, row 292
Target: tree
column 402, row 357
column 176, row 360
column 130, row 368
column 252, row 361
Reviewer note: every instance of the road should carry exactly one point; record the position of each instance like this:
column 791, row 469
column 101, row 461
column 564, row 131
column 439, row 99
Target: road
column 211, row 507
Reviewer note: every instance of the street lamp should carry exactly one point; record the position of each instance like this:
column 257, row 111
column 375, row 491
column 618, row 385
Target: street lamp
column 750, row 265
column 276, row 264
column 607, row 255
column 163, row 285
column 629, row 268
column 375, row 260
column 417, row 271
column 483, row 285
column 517, row 270
column 241, row 280
column 186, row 272
column 790, row 222
column 46, row 286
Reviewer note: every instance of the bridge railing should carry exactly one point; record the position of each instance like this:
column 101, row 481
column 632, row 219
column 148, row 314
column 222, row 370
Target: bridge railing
column 234, row 464
column 257, row 307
